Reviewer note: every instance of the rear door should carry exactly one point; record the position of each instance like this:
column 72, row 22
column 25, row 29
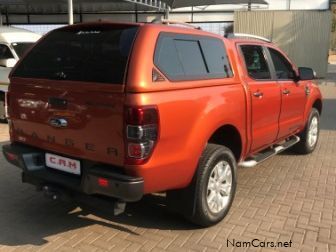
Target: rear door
column 67, row 94
column 293, row 95
column 265, row 97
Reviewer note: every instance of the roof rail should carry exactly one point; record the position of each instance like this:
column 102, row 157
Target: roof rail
column 171, row 22
column 234, row 35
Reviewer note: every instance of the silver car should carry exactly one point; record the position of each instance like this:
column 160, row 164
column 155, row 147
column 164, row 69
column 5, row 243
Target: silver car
column 14, row 42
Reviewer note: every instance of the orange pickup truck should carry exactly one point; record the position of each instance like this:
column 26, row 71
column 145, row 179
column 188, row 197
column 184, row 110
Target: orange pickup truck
column 125, row 110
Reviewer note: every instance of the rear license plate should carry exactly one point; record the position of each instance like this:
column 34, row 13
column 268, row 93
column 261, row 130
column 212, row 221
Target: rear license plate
column 63, row 164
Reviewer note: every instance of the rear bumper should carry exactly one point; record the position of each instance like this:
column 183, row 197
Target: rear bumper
column 113, row 184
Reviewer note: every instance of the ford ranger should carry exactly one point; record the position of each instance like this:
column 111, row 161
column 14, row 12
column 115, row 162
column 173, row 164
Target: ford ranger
column 125, row 110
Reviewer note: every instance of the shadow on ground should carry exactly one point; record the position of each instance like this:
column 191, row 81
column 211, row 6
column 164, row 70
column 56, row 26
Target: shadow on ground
column 28, row 217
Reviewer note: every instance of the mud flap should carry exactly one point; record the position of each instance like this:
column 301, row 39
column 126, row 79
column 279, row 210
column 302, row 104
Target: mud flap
column 182, row 201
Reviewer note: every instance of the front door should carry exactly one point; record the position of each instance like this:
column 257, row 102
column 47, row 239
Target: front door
column 265, row 97
column 293, row 95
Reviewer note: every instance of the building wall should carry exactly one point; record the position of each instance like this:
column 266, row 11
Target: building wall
column 303, row 35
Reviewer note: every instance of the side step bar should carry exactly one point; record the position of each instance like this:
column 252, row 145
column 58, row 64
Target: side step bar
column 268, row 153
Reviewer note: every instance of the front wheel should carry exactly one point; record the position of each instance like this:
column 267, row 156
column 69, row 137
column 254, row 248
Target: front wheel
column 310, row 135
column 215, row 185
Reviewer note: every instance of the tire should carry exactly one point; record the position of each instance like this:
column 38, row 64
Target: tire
column 310, row 135
column 216, row 161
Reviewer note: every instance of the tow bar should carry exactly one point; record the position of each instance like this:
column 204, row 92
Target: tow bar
column 55, row 193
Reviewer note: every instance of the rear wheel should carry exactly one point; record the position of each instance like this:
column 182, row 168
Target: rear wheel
column 215, row 185
column 310, row 135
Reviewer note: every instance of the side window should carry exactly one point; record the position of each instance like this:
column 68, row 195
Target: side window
column 167, row 59
column 5, row 52
column 283, row 69
column 190, row 55
column 187, row 57
column 256, row 63
column 216, row 57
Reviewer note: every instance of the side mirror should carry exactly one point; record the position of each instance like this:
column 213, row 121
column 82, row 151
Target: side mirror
column 8, row 62
column 306, row 73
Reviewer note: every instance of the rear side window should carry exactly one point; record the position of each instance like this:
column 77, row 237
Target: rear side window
column 186, row 57
column 91, row 54
column 255, row 62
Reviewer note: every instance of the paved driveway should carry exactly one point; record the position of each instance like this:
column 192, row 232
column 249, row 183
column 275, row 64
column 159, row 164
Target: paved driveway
column 287, row 198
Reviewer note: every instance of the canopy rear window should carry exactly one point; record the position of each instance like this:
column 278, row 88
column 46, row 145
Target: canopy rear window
column 89, row 54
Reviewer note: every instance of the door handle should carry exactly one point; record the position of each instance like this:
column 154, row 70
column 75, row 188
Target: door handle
column 286, row 92
column 258, row 94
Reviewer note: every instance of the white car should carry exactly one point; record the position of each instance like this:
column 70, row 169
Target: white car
column 14, row 42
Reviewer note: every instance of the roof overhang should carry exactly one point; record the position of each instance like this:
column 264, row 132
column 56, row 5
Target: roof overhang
column 188, row 3
column 61, row 6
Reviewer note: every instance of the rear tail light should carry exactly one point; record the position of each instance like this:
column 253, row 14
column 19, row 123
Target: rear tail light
column 141, row 130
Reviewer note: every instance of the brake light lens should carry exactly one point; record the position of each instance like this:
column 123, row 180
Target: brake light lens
column 141, row 130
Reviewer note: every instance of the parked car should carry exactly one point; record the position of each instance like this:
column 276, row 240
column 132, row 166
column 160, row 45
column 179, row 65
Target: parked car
column 14, row 42
column 125, row 110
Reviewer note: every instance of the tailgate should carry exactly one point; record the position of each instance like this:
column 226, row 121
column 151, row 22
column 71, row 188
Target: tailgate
column 70, row 119
column 67, row 94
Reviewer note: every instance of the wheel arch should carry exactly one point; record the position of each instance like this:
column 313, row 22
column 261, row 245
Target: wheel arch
column 318, row 105
column 230, row 137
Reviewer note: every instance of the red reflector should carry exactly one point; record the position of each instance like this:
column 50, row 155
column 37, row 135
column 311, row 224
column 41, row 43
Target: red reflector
column 135, row 150
column 11, row 156
column 103, row 182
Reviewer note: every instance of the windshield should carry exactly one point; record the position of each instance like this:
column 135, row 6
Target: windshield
column 21, row 48
column 90, row 54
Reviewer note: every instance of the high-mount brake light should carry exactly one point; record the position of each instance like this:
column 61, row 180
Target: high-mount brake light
column 141, row 131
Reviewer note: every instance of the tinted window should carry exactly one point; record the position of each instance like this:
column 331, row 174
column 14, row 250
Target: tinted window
column 216, row 58
column 256, row 63
column 191, row 57
column 21, row 48
column 90, row 54
column 5, row 52
column 283, row 68
column 167, row 58
column 184, row 57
